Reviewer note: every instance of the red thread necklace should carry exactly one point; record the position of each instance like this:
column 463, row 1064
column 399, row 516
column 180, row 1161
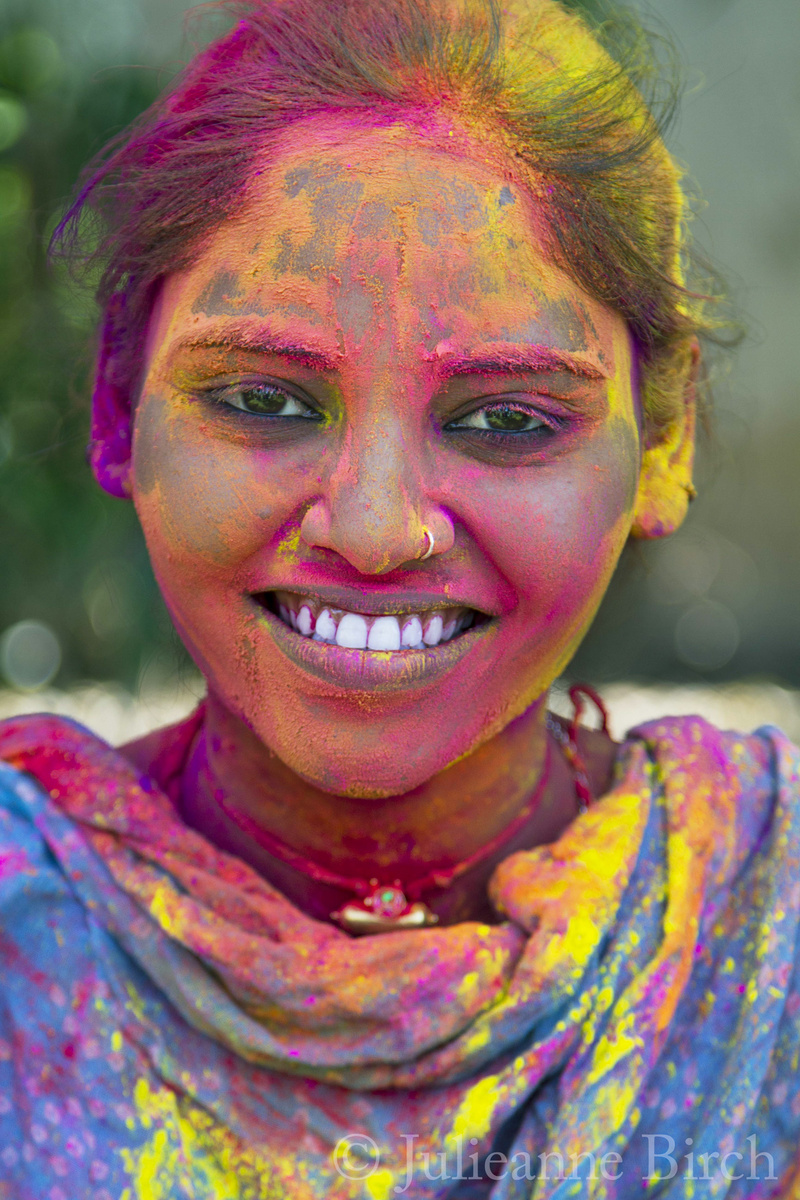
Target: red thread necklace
column 381, row 906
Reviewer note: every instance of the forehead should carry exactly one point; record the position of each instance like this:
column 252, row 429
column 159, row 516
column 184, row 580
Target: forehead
column 343, row 227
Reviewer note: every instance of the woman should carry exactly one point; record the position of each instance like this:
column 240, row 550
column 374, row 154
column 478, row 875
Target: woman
column 396, row 355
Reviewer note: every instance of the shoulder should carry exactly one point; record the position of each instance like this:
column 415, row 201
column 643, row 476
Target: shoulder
column 694, row 750
column 44, row 928
column 45, row 936
column 24, row 856
column 49, row 938
column 742, row 787
column 63, row 1063
column 38, row 758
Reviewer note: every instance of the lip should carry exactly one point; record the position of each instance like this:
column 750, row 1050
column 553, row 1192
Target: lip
column 372, row 670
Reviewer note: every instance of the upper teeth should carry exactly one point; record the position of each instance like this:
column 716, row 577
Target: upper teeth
column 361, row 631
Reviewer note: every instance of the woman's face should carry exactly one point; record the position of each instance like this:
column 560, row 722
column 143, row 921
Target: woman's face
column 377, row 346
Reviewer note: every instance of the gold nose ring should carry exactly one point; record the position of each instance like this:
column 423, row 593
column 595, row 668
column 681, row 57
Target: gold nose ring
column 431, row 543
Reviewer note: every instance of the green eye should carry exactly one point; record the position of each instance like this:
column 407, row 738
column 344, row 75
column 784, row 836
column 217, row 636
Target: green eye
column 510, row 420
column 501, row 418
column 266, row 400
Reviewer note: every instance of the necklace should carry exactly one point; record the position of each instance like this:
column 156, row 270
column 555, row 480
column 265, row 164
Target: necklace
column 381, row 906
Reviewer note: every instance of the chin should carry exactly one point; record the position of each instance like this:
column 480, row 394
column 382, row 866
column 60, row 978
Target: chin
column 361, row 723
column 373, row 764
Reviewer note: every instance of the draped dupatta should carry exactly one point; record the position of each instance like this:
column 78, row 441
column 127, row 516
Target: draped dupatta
column 640, row 989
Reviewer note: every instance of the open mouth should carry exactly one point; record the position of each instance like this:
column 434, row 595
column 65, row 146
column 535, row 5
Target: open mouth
column 395, row 633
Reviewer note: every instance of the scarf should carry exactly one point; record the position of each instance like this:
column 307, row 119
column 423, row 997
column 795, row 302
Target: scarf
column 637, row 1004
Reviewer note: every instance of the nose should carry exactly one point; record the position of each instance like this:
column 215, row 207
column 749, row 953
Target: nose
column 374, row 509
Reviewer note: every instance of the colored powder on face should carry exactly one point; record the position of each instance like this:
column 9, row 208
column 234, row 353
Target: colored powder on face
column 354, row 268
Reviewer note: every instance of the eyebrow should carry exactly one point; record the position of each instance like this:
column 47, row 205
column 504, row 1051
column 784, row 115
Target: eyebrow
column 262, row 341
column 528, row 359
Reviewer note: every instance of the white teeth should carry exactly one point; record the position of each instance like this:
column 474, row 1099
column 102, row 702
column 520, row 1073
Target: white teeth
column 412, row 632
column 326, row 626
column 384, row 634
column 358, row 631
column 352, row 632
column 432, row 634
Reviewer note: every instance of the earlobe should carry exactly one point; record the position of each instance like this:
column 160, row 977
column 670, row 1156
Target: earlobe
column 665, row 480
column 109, row 450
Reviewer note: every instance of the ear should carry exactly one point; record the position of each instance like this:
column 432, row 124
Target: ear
column 665, row 480
column 109, row 451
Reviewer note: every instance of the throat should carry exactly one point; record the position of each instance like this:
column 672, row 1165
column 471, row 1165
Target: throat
column 439, row 844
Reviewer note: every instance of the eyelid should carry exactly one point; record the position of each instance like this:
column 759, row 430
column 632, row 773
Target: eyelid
column 552, row 420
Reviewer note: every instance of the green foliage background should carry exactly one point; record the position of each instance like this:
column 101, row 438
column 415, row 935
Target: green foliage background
column 69, row 555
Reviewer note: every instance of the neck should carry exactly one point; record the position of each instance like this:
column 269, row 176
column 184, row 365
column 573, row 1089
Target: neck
column 432, row 828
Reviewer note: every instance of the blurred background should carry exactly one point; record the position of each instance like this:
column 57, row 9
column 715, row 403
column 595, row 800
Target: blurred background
column 708, row 618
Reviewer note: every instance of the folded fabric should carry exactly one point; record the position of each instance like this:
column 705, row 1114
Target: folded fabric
column 170, row 1025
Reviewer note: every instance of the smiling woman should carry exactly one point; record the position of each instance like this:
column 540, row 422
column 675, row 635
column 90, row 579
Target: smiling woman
column 477, row 402
column 397, row 353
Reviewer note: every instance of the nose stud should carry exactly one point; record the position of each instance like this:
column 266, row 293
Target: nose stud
column 431, row 543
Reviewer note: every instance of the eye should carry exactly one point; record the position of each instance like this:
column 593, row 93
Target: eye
column 266, row 400
column 501, row 418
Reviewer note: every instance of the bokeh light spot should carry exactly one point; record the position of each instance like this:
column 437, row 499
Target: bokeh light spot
column 13, row 120
column 30, row 655
column 707, row 636
column 30, row 60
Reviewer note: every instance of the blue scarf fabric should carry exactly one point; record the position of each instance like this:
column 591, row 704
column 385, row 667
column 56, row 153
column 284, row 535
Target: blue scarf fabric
column 170, row 1026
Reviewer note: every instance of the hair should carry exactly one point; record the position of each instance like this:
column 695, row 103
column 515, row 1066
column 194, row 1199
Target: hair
column 569, row 92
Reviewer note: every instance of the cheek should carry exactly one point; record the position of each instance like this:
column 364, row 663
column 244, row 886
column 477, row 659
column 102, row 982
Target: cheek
column 206, row 504
column 555, row 533
column 184, row 491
